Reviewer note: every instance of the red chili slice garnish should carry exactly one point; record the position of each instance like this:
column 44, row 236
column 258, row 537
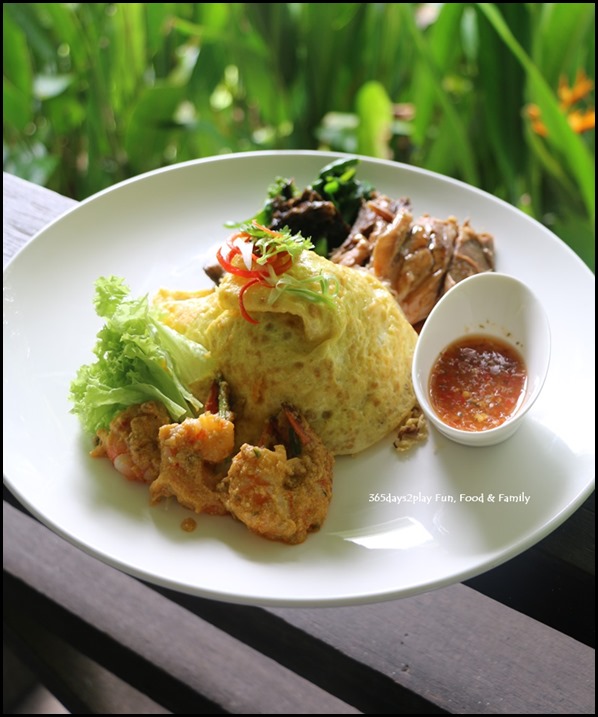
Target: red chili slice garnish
column 259, row 273
column 226, row 263
column 244, row 288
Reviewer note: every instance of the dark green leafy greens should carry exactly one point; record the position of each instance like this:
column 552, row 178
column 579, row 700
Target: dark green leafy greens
column 138, row 358
column 336, row 183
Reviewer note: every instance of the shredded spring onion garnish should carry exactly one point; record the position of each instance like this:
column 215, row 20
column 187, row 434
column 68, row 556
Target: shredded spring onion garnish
column 265, row 256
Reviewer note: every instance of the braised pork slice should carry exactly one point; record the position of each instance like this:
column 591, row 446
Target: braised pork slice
column 418, row 270
column 419, row 260
column 473, row 254
column 373, row 220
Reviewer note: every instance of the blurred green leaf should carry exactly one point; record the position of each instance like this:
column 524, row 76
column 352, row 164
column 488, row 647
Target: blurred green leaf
column 578, row 234
column 128, row 48
column 443, row 51
column 151, row 125
column 564, row 28
column 501, row 88
column 17, row 85
column 158, row 25
column 464, row 158
column 66, row 115
column 25, row 16
column 15, row 56
column 17, row 107
column 374, row 110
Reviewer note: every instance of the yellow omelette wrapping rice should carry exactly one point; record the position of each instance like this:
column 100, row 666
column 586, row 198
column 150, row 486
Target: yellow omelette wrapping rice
column 345, row 366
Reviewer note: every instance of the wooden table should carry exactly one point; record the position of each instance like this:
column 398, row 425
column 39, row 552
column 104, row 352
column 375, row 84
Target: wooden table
column 517, row 640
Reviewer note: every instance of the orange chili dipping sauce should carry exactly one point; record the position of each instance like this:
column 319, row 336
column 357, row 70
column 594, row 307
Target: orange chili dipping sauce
column 477, row 383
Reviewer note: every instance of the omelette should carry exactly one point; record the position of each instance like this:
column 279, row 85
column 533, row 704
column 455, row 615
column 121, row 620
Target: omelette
column 345, row 363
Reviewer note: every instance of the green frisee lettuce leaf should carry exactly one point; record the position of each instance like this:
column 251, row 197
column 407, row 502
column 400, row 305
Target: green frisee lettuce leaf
column 138, row 358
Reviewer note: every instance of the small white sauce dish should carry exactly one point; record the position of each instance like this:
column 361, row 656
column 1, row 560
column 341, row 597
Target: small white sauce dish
column 494, row 305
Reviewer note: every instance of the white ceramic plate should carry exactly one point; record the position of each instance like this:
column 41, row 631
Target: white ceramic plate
column 397, row 525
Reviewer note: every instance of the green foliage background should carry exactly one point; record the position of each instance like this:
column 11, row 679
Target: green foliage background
column 98, row 92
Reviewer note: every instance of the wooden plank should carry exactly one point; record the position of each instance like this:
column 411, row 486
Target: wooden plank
column 574, row 541
column 152, row 643
column 310, row 655
column 24, row 604
column 539, row 584
column 18, row 680
column 78, row 682
column 465, row 652
column 27, row 208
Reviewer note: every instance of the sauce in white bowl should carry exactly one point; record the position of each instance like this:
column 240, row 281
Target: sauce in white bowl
column 481, row 359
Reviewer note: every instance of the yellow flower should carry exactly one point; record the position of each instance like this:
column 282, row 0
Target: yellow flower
column 582, row 121
column 533, row 112
column 579, row 120
column 582, row 87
